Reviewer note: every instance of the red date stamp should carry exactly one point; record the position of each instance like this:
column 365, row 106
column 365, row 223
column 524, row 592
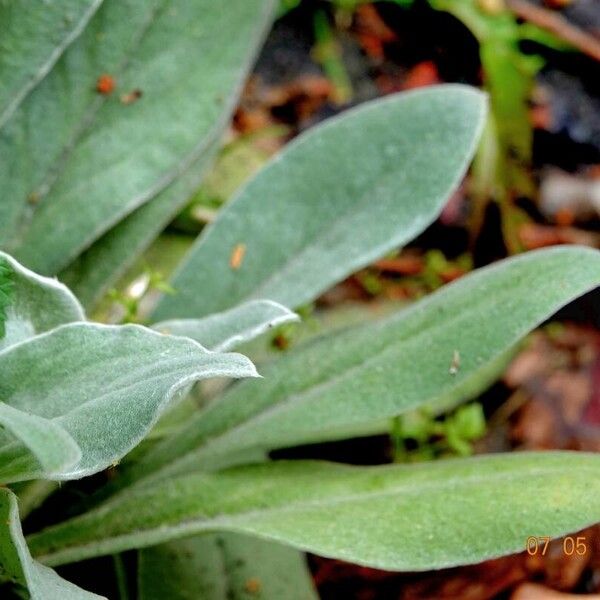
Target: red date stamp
column 538, row 545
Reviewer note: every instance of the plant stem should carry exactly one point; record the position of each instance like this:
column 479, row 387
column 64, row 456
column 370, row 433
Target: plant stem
column 558, row 25
column 121, row 576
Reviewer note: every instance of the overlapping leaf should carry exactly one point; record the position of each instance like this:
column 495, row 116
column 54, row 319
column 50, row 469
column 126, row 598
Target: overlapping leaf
column 223, row 331
column 223, row 567
column 370, row 373
column 34, row 304
column 17, row 566
column 30, row 305
column 398, row 517
column 53, row 448
column 104, row 386
column 325, row 212
column 91, row 274
column 34, row 35
column 68, row 150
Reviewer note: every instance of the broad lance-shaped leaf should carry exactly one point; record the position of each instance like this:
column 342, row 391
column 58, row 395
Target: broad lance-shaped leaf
column 101, row 265
column 104, row 385
column 17, row 566
column 223, row 331
column 336, row 198
column 385, row 368
column 34, row 35
column 396, row 517
column 34, row 304
column 223, row 567
column 108, row 155
column 325, row 322
column 29, row 161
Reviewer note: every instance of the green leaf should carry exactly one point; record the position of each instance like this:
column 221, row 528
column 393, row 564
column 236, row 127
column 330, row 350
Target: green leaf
column 320, row 323
column 105, row 386
column 223, row 567
column 325, row 389
column 54, row 449
column 223, row 331
column 34, row 304
column 101, row 265
column 314, row 214
column 16, row 564
column 6, row 291
column 34, row 35
column 106, row 156
column 399, row 517
column 32, row 494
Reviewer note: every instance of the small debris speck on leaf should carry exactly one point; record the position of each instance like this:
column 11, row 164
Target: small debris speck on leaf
column 455, row 364
column 105, row 84
column 237, row 256
column 131, row 97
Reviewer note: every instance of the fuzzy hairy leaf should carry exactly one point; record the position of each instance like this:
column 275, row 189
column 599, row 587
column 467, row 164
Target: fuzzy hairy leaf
column 223, row 567
column 17, row 566
column 34, row 35
column 374, row 372
column 325, row 213
column 53, row 448
column 98, row 267
column 398, row 517
column 104, row 385
column 223, row 331
column 107, row 155
column 32, row 304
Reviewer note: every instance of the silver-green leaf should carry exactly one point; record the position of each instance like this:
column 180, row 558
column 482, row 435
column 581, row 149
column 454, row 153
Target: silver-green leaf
column 34, row 35
column 101, row 265
column 436, row 353
column 315, row 214
column 106, row 386
column 36, row 304
column 398, row 517
column 223, row 331
column 223, row 567
column 54, row 449
column 68, row 176
column 17, row 566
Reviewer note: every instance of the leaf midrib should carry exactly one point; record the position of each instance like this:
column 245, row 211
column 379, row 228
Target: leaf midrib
column 79, row 130
column 46, row 67
column 228, row 522
column 186, row 162
column 358, row 365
